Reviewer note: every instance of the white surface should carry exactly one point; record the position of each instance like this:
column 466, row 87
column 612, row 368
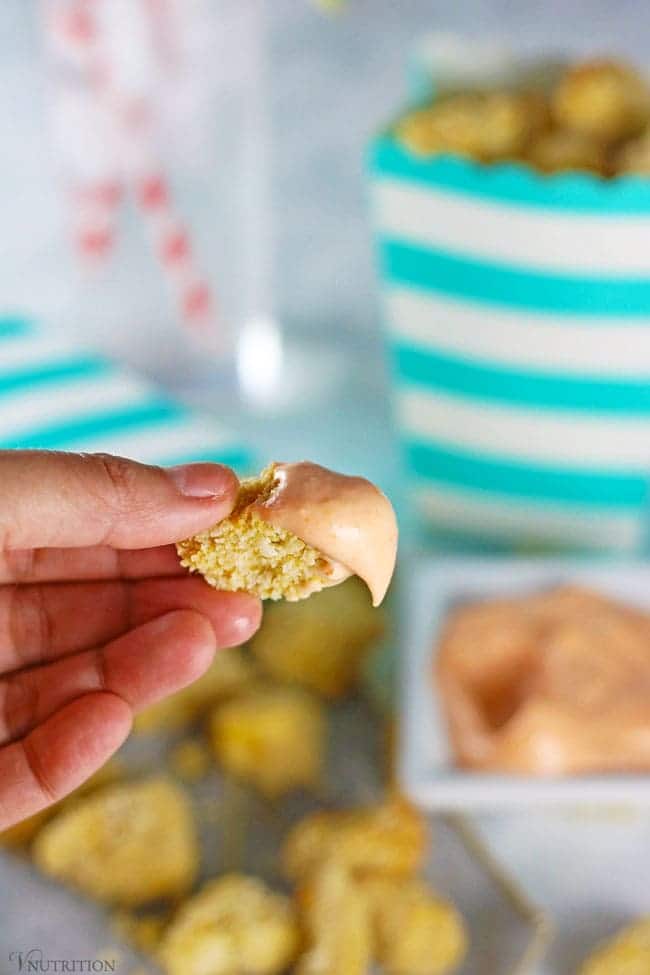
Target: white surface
column 428, row 772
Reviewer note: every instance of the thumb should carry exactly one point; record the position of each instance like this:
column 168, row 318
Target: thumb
column 73, row 500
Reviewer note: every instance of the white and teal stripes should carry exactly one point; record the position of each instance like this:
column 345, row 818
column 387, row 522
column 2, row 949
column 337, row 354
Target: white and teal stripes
column 54, row 396
column 518, row 317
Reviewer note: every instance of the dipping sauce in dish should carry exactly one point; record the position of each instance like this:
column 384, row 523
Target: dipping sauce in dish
column 552, row 684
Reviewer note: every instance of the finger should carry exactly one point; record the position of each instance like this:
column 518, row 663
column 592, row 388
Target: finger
column 140, row 667
column 42, row 622
column 92, row 563
column 60, row 754
column 52, row 499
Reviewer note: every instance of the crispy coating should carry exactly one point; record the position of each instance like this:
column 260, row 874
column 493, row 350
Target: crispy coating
column 235, row 925
column 271, row 736
column 337, row 924
column 415, row 931
column 125, row 844
column 320, row 643
column 626, row 954
column 22, row 834
column 485, row 126
column 564, row 150
column 389, row 838
column 605, row 100
column 245, row 553
column 231, row 670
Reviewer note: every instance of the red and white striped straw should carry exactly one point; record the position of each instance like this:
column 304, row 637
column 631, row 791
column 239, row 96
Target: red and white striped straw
column 77, row 38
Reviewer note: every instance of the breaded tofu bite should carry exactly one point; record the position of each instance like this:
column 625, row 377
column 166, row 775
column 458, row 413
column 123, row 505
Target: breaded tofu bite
column 484, row 125
column 272, row 737
column 415, row 931
column 606, row 100
column 389, row 838
column 235, row 925
column 126, row 844
column 320, row 643
column 336, row 923
column 297, row 529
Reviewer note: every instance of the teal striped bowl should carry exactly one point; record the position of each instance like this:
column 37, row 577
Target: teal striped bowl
column 517, row 310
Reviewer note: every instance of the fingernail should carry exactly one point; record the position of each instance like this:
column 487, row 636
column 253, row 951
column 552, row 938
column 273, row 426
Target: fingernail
column 202, row 480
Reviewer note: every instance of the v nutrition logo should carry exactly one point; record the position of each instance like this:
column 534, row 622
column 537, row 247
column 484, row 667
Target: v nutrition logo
column 34, row 960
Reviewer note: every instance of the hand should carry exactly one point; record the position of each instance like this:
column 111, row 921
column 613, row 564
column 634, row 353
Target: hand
column 97, row 619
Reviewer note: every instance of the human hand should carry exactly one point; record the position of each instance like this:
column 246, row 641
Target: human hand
column 97, row 618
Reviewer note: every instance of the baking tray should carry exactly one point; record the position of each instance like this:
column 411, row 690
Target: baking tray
column 239, row 830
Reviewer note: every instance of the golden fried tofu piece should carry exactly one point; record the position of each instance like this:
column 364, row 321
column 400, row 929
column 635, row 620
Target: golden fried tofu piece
column 231, row 670
column 336, row 920
column 416, row 932
column 606, row 100
column 484, row 125
column 389, row 838
column 628, row 953
column 23, row 833
column 320, row 643
column 246, row 553
column 271, row 736
column 563, row 150
column 235, row 925
column 126, row 844
column 634, row 156
column 296, row 529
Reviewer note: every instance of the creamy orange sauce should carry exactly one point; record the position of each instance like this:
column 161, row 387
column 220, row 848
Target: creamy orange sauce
column 348, row 519
column 552, row 684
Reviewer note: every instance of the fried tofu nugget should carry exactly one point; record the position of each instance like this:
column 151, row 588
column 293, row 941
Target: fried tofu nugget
column 126, row 844
column 320, row 643
column 415, row 931
column 389, row 838
column 483, row 125
column 604, row 99
column 235, row 925
column 271, row 736
column 337, row 924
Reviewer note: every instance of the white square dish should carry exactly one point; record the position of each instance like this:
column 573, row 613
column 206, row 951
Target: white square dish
column 427, row 771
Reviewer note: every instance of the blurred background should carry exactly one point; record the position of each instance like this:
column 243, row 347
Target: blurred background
column 327, row 83
column 192, row 265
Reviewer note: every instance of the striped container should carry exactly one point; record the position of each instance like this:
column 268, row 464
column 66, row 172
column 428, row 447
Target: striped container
column 517, row 310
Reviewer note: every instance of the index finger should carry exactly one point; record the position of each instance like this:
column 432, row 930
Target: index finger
column 54, row 499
